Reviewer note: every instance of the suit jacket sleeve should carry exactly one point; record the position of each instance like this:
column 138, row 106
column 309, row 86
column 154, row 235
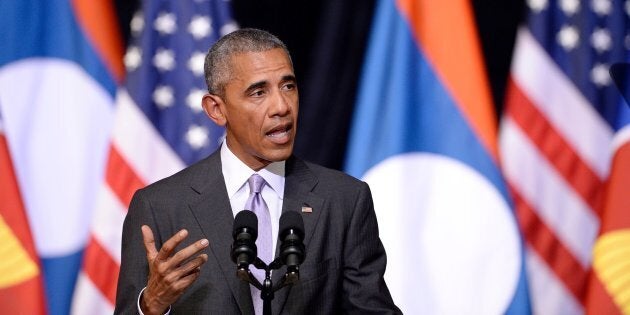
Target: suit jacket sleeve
column 134, row 269
column 364, row 288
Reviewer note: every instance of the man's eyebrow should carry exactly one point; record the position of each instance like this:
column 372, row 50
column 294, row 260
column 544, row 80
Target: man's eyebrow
column 261, row 84
column 289, row 77
column 255, row 85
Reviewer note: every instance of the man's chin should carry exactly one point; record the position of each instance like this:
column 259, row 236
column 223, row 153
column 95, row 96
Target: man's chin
column 280, row 154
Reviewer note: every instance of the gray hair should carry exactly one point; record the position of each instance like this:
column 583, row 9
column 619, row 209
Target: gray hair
column 218, row 68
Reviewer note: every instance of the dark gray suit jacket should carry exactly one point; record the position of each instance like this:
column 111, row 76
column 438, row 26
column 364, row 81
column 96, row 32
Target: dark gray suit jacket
column 345, row 259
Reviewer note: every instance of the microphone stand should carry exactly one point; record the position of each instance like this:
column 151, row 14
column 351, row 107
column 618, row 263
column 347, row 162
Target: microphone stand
column 266, row 288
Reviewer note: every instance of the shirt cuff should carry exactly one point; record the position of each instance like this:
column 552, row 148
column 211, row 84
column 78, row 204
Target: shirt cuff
column 168, row 311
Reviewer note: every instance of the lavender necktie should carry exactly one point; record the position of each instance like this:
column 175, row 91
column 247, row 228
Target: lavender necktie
column 257, row 204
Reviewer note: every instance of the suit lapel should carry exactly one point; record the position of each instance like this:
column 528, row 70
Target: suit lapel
column 213, row 212
column 298, row 193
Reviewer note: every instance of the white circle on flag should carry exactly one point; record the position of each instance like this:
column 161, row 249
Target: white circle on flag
column 451, row 240
column 57, row 120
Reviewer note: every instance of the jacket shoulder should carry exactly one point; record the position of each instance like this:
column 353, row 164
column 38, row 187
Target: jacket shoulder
column 183, row 179
column 334, row 179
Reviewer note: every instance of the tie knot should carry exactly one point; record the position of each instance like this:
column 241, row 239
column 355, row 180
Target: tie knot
column 256, row 183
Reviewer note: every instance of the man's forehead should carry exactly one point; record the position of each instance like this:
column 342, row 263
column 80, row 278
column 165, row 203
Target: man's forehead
column 275, row 55
column 249, row 65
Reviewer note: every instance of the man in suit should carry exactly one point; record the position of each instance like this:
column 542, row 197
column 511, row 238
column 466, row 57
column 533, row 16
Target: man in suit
column 178, row 231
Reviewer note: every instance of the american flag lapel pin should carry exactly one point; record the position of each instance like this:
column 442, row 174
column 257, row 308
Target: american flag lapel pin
column 307, row 209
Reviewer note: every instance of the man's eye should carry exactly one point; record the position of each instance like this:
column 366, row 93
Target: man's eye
column 289, row 86
column 258, row 93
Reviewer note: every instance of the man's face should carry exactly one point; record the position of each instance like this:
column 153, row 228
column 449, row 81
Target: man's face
column 260, row 106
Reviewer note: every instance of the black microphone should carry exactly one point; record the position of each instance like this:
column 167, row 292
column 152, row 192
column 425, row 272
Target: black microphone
column 244, row 233
column 291, row 235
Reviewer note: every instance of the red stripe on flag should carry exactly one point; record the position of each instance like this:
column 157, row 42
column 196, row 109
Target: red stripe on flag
column 24, row 298
column 616, row 217
column 101, row 269
column 12, row 209
column 552, row 145
column 598, row 300
column 544, row 241
column 99, row 265
column 98, row 19
column 617, row 204
column 121, row 178
column 27, row 296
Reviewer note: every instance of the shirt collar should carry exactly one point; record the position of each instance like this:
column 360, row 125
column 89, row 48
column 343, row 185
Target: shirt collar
column 236, row 173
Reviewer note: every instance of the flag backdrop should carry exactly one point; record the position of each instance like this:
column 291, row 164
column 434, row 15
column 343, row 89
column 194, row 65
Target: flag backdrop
column 423, row 129
column 564, row 146
column 424, row 138
column 159, row 126
column 59, row 64
column 564, row 123
column 21, row 286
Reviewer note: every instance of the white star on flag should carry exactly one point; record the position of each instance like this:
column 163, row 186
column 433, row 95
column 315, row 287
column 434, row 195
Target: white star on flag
column 193, row 100
column 164, row 59
column 537, row 5
column 163, row 96
column 197, row 136
column 200, row 27
column 133, row 58
column 568, row 37
column 601, row 40
column 165, row 23
column 196, row 61
column 137, row 23
column 602, row 7
column 600, row 75
column 569, row 7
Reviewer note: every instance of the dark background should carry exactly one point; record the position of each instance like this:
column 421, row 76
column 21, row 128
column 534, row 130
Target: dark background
column 327, row 41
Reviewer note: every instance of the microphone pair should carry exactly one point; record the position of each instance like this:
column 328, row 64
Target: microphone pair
column 291, row 236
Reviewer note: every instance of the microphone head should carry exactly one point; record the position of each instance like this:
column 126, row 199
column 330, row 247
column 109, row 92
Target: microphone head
column 292, row 250
column 246, row 219
column 291, row 221
column 243, row 251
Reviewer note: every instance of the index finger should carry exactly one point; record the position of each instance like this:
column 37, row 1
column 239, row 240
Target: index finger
column 168, row 246
column 149, row 242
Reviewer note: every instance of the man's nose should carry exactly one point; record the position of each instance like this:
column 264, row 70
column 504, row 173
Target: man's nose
column 281, row 105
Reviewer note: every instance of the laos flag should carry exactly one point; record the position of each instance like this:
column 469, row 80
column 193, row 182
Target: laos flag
column 424, row 137
column 60, row 63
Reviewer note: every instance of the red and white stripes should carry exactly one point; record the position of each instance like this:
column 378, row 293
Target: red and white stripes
column 138, row 156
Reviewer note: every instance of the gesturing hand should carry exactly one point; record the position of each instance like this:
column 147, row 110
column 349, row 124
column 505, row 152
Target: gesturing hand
column 169, row 275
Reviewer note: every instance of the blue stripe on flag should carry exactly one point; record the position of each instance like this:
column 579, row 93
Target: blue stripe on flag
column 60, row 274
column 48, row 28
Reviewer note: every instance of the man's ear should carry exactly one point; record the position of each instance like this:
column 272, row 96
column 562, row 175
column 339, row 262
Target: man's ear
column 213, row 106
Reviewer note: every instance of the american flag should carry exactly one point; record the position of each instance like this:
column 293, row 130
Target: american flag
column 159, row 127
column 564, row 123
